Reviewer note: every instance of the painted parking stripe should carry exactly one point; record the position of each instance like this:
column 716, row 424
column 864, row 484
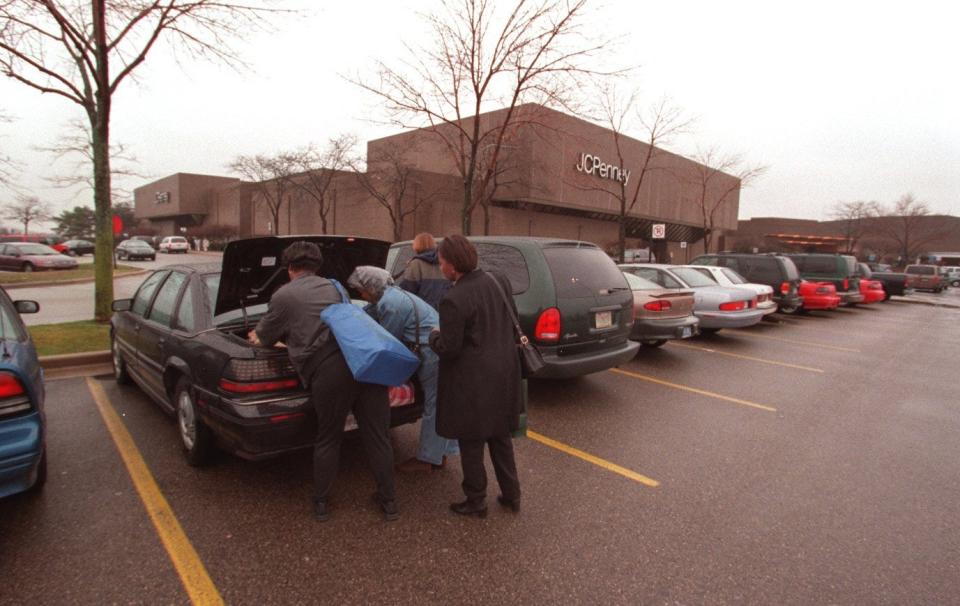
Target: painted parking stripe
column 192, row 572
column 570, row 450
column 793, row 341
column 743, row 357
column 701, row 392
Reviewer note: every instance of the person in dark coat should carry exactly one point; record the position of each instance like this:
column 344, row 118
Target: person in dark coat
column 422, row 275
column 479, row 395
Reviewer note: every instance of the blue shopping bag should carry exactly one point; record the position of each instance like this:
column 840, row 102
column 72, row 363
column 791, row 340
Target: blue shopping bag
column 372, row 353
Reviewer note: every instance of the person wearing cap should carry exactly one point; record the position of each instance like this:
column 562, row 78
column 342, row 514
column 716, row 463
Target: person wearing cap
column 422, row 275
column 410, row 319
column 294, row 318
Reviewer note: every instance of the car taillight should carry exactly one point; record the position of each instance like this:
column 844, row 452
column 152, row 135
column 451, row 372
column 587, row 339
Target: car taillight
column 733, row 306
column 13, row 397
column 658, row 306
column 846, row 285
column 258, row 386
column 548, row 325
column 257, row 376
column 784, row 288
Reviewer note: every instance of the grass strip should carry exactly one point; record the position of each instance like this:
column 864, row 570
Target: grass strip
column 58, row 275
column 70, row 337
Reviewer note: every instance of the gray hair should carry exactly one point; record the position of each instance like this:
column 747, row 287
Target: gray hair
column 372, row 279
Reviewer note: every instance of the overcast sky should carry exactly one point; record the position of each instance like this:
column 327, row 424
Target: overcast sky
column 842, row 100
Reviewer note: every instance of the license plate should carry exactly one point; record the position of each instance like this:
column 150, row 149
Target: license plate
column 604, row 319
column 685, row 332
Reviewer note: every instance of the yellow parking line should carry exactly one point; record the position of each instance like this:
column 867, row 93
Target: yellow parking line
column 570, row 450
column 702, row 392
column 743, row 357
column 192, row 572
column 793, row 341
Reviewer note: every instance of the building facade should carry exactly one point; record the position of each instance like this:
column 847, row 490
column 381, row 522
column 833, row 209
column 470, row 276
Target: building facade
column 557, row 176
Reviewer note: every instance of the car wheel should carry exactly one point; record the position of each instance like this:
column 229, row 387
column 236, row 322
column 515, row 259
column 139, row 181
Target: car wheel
column 653, row 344
column 28, row 267
column 41, row 473
column 195, row 436
column 790, row 310
column 955, row 283
column 119, row 366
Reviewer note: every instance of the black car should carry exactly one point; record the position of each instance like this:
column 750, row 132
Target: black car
column 77, row 248
column 182, row 339
column 776, row 271
column 572, row 300
column 135, row 249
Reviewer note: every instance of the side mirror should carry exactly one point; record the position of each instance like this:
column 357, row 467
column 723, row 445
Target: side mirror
column 26, row 307
column 122, row 305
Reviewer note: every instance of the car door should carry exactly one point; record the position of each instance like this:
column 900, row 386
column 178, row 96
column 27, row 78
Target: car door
column 6, row 260
column 130, row 323
column 154, row 340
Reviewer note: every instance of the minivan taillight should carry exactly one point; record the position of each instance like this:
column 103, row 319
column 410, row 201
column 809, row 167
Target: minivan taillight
column 13, row 396
column 548, row 325
column 658, row 306
column 846, row 285
column 785, row 288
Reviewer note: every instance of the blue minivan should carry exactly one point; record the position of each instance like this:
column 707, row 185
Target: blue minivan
column 23, row 455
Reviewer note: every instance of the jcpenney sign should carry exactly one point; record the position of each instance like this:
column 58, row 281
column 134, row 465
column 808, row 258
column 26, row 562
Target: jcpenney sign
column 593, row 165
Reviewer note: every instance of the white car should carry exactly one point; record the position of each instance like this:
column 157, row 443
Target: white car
column 724, row 276
column 172, row 244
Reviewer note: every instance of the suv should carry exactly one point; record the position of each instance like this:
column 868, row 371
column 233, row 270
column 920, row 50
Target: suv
column 572, row 301
column 925, row 277
column 776, row 271
column 840, row 270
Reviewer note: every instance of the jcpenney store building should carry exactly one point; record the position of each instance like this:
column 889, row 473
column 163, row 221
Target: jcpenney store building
column 557, row 178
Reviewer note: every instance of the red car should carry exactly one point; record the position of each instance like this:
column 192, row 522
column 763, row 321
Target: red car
column 872, row 291
column 819, row 295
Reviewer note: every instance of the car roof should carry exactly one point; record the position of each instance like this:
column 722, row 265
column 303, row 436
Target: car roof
column 519, row 240
column 199, row 268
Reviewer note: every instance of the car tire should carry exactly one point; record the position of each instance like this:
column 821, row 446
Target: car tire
column 195, row 436
column 789, row 311
column 41, row 480
column 653, row 344
column 955, row 283
column 27, row 267
column 119, row 366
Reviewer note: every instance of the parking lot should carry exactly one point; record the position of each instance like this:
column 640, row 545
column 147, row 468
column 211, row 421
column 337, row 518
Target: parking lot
column 810, row 459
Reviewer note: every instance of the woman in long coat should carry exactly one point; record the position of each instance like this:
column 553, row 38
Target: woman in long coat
column 479, row 397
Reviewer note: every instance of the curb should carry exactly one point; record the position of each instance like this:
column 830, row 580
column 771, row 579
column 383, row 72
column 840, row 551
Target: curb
column 87, row 358
column 896, row 299
column 70, row 282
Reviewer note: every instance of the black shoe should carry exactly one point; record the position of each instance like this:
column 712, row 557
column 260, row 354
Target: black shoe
column 466, row 508
column 320, row 512
column 511, row 504
column 388, row 507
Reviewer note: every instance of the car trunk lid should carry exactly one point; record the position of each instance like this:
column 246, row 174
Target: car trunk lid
column 252, row 270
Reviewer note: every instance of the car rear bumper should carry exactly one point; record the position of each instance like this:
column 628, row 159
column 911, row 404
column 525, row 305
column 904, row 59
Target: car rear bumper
column 565, row 367
column 849, row 297
column 729, row 319
column 21, row 447
column 821, row 302
column 788, row 302
column 658, row 330
column 767, row 307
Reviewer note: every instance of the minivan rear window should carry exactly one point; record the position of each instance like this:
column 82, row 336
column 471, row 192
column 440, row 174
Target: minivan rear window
column 921, row 270
column 582, row 272
column 817, row 265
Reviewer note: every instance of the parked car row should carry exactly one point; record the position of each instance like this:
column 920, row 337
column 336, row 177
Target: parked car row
column 29, row 256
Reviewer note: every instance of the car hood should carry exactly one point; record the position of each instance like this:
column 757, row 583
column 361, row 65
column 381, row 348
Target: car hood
column 249, row 265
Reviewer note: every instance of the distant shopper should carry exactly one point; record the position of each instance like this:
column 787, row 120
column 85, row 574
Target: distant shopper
column 422, row 275
column 399, row 312
column 479, row 398
column 294, row 319
column 205, row 244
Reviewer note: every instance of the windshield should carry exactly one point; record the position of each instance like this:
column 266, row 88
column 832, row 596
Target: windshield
column 137, row 244
column 733, row 276
column 692, row 276
column 178, row 240
column 35, row 249
column 921, row 270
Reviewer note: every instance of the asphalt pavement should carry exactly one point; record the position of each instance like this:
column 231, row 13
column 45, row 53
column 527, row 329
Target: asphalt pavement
column 809, row 460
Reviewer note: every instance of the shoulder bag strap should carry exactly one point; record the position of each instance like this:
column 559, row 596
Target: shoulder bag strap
column 416, row 315
column 513, row 315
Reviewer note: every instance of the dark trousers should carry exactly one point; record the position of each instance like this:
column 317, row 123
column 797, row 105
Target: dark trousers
column 334, row 391
column 475, row 474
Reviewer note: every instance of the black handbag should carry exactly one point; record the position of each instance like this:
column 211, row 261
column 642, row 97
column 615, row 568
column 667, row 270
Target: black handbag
column 530, row 359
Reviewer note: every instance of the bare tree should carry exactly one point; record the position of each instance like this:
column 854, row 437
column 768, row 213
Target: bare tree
column 392, row 184
column 83, row 51
column 854, row 220
column 480, row 57
column 659, row 123
column 8, row 167
column 26, row 210
column 317, row 170
column 76, row 143
column 907, row 223
column 270, row 177
column 712, row 184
